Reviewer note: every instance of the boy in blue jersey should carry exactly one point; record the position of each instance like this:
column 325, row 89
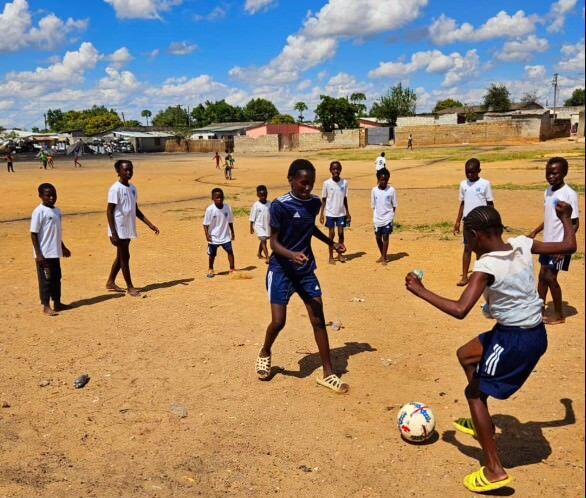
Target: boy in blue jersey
column 292, row 266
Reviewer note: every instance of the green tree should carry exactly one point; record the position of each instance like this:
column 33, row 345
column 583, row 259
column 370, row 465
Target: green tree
column 260, row 110
column 173, row 116
column 470, row 116
column 530, row 98
column 497, row 98
column 446, row 104
column 217, row 112
column 397, row 102
column 35, row 129
column 55, row 119
column 90, row 121
column 145, row 113
column 300, row 107
column 132, row 123
column 358, row 100
column 283, row 119
column 577, row 97
column 335, row 113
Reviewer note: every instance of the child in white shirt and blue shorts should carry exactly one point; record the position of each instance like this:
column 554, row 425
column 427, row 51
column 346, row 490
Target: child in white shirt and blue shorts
column 218, row 226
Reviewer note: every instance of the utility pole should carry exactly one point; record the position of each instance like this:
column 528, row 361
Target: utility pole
column 555, row 93
column 45, row 116
column 123, row 120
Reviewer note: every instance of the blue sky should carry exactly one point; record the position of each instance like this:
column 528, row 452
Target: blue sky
column 147, row 54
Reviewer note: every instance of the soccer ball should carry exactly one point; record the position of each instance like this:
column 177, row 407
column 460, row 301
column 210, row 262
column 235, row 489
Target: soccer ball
column 416, row 422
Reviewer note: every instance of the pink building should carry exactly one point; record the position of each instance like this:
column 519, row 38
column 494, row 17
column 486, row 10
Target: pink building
column 280, row 129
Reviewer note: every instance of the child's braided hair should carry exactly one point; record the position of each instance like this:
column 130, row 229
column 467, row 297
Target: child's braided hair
column 484, row 219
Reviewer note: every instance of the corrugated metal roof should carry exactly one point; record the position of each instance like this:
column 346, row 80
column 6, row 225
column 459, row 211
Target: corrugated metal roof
column 143, row 134
column 217, row 127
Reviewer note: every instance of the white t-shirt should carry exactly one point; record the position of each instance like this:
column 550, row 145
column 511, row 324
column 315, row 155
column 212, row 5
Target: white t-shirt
column 334, row 193
column 46, row 222
column 512, row 298
column 384, row 202
column 553, row 230
column 474, row 194
column 218, row 221
column 125, row 199
column 260, row 216
column 380, row 163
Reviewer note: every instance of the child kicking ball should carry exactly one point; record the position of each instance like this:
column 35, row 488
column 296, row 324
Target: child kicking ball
column 498, row 362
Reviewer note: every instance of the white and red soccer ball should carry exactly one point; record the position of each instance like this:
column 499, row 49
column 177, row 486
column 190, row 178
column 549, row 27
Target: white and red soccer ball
column 416, row 422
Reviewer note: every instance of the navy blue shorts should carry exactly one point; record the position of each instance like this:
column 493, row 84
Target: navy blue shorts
column 385, row 230
column 338, row 221
column 554, row 264
column 510, row 355
column 213, row 248
column 281, row 286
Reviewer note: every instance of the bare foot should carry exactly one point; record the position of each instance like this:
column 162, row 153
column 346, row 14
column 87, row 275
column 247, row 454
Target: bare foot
column 462, row 282
column 380, row 260
column 341, row 258
column 554, row 320
column 385, row 262
column 111, row 286
column 48, row 311
column 332, row 261
column 133, row 292
column 62, row 307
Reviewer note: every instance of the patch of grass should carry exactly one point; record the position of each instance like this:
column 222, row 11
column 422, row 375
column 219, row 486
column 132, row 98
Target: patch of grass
column 239, row 212
column 578, row 256
column 577, row 187
column 444, row 227
column 534, row 186
column 180, row 210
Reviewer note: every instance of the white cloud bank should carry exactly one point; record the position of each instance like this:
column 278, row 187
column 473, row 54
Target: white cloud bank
column 142, row 9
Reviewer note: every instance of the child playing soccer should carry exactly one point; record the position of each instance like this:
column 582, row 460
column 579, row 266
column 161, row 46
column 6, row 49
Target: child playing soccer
column 474, row 191
column 218, row 225
column 122, row 212
column 259, row 221
column 556, row 170
column 228, row 167
column 292, row 269
column 384, row 204
column 334, row 201
column 48, row 247
column 498, row 362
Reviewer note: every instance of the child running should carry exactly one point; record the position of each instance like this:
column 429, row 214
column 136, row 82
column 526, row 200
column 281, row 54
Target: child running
column 217, row 158
column 218, row 226
column 334, row 201
column 556, row 170
column 260, row 221
column 384, row 204
column 474, row 191
column 498, row 362
column 48, row 247
column 292, row 269
column 122, row 212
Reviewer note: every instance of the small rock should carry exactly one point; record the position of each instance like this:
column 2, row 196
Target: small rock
column 81, row 381
column 357, row 300
column 387, row 362
column 442, row 393
column 44, row 383
column 5, row 404
column 337, row 325
column 305, row 468
column 178, row 410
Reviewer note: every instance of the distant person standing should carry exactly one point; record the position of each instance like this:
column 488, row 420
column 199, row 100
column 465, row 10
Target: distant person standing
column 410, row 142
column 217, row 158
column 9, row 160
column 42, row 155
column 380, row 162
column 50, row 160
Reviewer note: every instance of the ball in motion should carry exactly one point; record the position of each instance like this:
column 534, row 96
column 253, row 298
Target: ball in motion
column 416, row 422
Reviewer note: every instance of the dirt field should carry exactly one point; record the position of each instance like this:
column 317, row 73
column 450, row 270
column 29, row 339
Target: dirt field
column 188, row 346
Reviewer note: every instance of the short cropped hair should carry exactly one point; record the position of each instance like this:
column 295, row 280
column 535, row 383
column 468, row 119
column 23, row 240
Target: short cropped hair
column 562, row 161
column 335, row 162
column 118, row 164
column 261, row 187
column 300, row 165
column 45, row 186
column 382, row 154
column 484, row 219
column 472, row 163
column 217, row 190
column 381, row 172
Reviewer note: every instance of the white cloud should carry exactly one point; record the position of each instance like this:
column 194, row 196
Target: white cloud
column 456, row 67
column 344, row 85
column 141, row 9
column 256, row 6
column 215, row 15
column 187, row 89
column 522, row 50
column 317, row 41
column 18, row 31
column 557, row 14
column 573, row 58
column 303, row 85
column 182, row 48
column 445, row 30
column 536, row 72
column 153, row 53
column 119, row 57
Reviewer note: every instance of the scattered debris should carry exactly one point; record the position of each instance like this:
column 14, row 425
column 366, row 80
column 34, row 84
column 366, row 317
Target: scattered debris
column 178, row 410
column 357, row 300
column 305, row 468
column 44, row 383
column 5, row 404
column 81, row 381
column 442, row 393
column 337, row 325
column 387, row 362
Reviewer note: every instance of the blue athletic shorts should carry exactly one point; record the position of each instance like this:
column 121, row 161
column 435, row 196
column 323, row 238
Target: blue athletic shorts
column 385, row 230
column 510, row 355
column 552, row 262
column 339, row 221
column 281, row 286
column 213, row 248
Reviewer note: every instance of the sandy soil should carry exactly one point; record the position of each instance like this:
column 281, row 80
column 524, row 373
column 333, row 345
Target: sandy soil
column 189, row 345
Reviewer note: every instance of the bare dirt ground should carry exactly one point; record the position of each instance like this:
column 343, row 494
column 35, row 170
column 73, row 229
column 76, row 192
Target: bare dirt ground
column 188, row 346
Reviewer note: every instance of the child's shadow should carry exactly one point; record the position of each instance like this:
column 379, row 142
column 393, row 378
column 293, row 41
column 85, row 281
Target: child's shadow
column 396, row 257
column 518, row 444
column 340, row 357
column 568, row 309
column 164, row 285
column 246, row 268
column 354, row 255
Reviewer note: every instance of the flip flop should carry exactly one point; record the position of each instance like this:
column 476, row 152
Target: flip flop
column 263, row 367
column 478, row 483
column 465, row 425
column 334, row 383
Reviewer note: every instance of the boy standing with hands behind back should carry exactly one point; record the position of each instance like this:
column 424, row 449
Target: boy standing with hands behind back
column 218, row 226
column 474, row 192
